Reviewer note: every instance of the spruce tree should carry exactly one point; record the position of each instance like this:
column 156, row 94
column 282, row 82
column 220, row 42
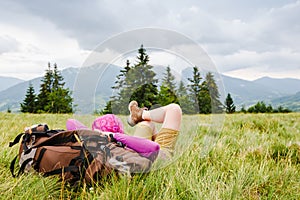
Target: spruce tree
column 167, row 91
column 184, row 100
column 57, row 79
column 53, row 97
column 59, row 100
column 135, row 82
column 45, row 90
column 117, row 102
column 119, row 83
column 216, row 104
column 29, row 103
column 107, row 109
column 194, row 88
column 243, row 109
column 269, row 108
column 229, row 105
column 140, row 82
column 169, row 79
column 204, row 99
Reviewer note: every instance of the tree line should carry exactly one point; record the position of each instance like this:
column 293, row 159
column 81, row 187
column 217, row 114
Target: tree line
column 53, row 97
column 138, row 82
column 259, row 107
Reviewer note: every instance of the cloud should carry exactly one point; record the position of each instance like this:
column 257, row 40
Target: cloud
column 8, row 44
column 28, row 45
column 89, row 23
column 279, row 27
column 235, row 34
column 267, row 43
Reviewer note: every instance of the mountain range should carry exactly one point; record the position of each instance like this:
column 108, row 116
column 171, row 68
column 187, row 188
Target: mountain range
column 91, row 88
column 7, row 82
column 264, row 89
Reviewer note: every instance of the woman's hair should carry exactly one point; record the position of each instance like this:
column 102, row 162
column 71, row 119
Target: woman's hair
column 108, row 123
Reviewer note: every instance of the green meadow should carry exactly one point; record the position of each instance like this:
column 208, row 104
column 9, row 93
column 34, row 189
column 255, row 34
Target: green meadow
column 253, row 156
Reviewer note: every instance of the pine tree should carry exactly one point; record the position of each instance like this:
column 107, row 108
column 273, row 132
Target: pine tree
column 204, row 99
column 117, row 102
column 140, row 83
column 29, row 103
column 135, row 82
column 169, row 79
column 143, row 58
column 194, row 88
column 269, row 109
column 57, row 79
column 166, row 96
column 107, row 109
column 216, row 104
column 243, row 109
column 167, row 91
column 59, row 99
column 53, row 97
column 184, row 100
column 8, row 110
column 45, row 90
column 229, row 105
column 119, row 83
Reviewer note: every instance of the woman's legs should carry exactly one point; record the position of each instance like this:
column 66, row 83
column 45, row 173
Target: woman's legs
column 170, row 116
column 145, row 129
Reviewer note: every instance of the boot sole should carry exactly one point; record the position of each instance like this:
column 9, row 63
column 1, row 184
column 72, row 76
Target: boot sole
column 129, row 119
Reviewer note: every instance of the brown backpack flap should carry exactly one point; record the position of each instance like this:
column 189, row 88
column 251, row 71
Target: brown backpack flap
column 51, row 160
column 54, row 157
column 63, row 138
column 36, row 133
column 72, row 154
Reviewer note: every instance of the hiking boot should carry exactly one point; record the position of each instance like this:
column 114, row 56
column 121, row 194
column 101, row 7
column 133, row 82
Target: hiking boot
column 135, row 113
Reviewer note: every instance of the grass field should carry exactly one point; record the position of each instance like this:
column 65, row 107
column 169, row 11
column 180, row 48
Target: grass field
column 255, row 156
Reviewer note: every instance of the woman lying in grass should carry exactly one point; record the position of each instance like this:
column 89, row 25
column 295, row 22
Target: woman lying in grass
column 145, row 140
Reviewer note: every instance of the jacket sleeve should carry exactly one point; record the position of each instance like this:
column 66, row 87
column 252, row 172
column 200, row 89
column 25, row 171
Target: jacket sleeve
column 144, row 147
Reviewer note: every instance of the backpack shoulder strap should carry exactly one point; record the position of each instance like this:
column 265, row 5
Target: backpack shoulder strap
column 16, row 140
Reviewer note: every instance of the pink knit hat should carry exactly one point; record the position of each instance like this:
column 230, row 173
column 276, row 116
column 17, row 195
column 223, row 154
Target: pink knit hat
column 108, row 123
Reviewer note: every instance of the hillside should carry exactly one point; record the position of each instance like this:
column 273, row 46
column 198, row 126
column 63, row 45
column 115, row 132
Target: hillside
column 7, row 82
column 285, row 85
column 249, row 92
column 91, row 88
column 292, row 102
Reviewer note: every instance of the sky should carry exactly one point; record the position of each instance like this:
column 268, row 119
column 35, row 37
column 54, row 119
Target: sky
column 244, row 39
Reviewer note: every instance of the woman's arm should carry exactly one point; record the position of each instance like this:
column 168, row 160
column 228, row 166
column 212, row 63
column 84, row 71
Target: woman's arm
column 144, row 147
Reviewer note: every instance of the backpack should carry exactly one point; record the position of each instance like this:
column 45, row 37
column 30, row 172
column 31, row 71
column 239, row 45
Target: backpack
column 78, row 155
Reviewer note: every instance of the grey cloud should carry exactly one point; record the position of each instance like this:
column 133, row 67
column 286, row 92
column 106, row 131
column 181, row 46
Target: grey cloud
column 222, row 27
column 8, row 44
column 280, row 27
column 87, row 22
